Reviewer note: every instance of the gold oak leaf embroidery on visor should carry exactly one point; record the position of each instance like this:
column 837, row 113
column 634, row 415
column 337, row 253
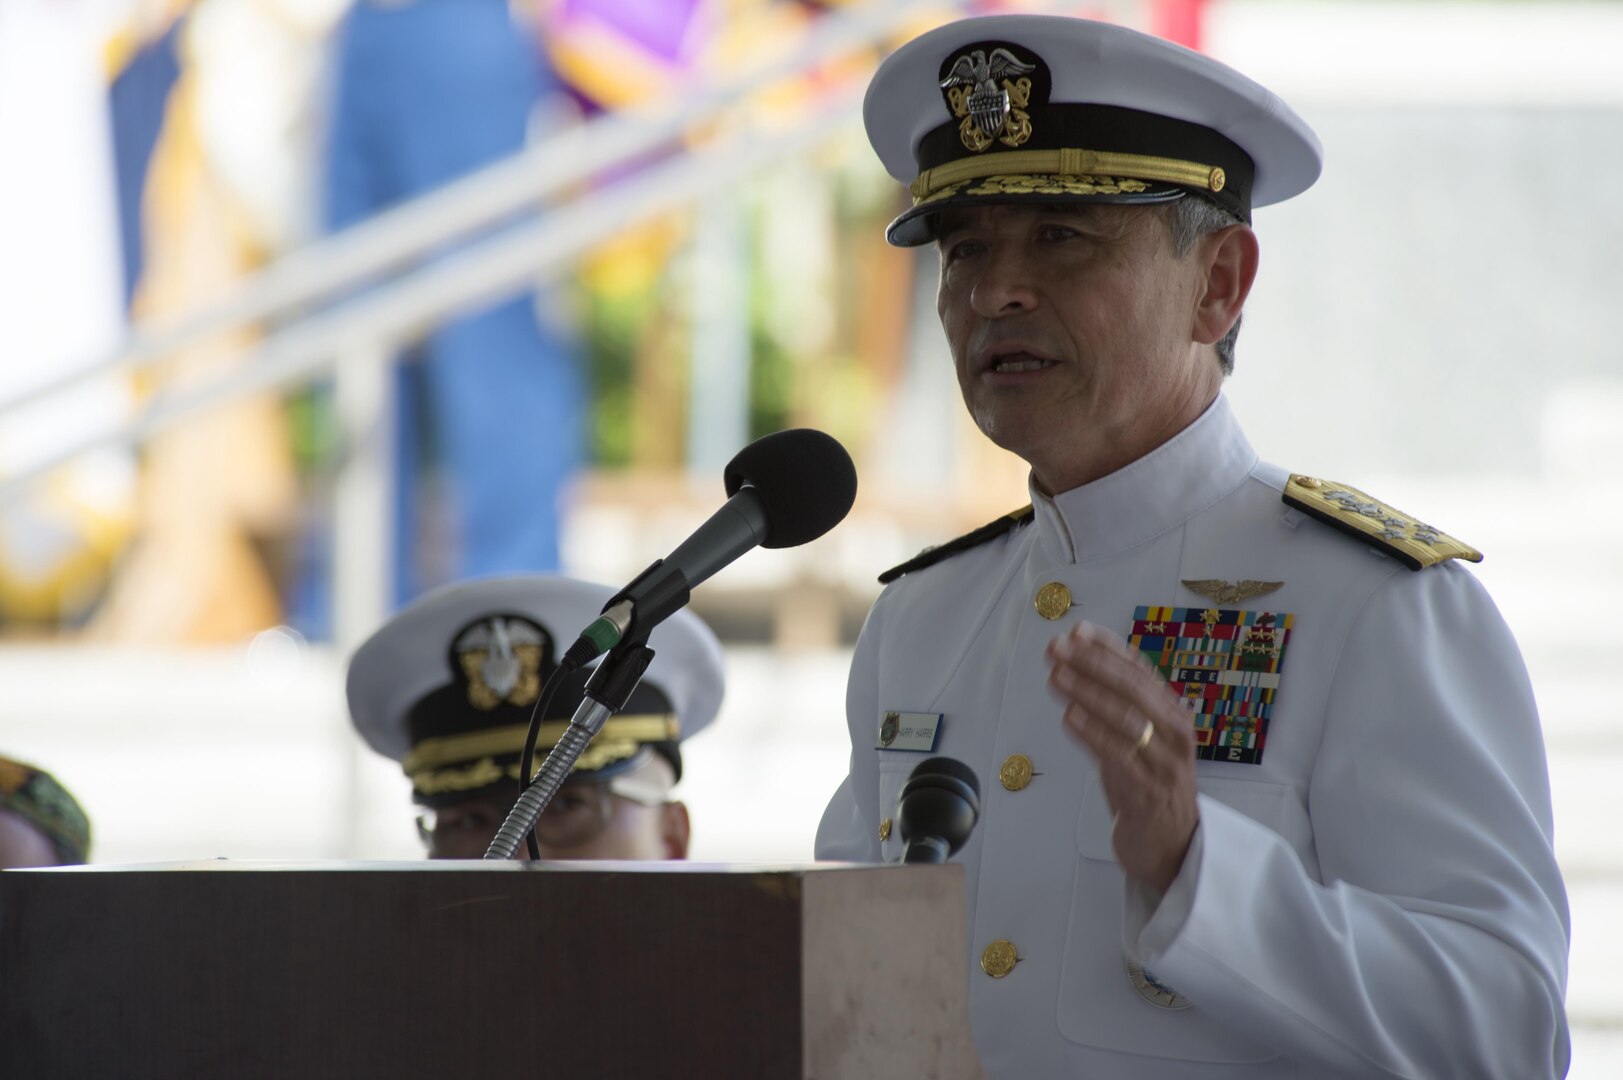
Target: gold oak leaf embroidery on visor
column 1021, row 184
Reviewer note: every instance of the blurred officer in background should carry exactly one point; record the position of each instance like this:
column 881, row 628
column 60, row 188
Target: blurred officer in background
column 447, row 687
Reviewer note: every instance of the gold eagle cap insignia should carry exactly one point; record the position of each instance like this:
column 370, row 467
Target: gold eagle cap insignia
column 990, row 97
column 1230, row 592
column 502, row 659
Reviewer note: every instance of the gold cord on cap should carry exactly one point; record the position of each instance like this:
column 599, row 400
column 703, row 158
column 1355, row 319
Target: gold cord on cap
column 1069, row 162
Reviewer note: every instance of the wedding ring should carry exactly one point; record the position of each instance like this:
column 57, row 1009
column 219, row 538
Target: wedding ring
column 1145, row 737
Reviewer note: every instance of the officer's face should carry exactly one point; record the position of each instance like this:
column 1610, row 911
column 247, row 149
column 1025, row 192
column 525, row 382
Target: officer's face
column 1071, row 330
column 583, row 821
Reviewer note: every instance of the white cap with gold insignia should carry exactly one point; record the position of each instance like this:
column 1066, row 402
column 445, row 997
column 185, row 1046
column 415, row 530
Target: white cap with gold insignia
column 451, row 680
column 1018, row 108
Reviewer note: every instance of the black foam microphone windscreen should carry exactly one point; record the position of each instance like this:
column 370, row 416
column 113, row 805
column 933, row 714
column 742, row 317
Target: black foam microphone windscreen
column 804, row 478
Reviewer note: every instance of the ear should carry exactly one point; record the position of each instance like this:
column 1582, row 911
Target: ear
column 1230, row 258
column 675, row 830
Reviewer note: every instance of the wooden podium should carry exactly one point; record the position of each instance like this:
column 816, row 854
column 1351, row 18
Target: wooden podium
column 483, row 970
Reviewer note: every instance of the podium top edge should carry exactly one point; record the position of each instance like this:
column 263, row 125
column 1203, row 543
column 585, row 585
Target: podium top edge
column 493, row 866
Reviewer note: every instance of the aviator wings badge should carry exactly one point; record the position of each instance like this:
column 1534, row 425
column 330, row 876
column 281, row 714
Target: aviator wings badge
column 1230, row 592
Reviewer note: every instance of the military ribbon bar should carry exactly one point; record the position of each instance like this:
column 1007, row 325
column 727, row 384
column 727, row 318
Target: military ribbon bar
column 1226, row 664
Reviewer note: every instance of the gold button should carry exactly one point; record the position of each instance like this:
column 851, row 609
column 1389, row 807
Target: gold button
column 1217, row 179
column 1053, row 600
column 999, row 958
column 1153, row 990
column 884, row 830
column 1309, row 482
column 1016, row 772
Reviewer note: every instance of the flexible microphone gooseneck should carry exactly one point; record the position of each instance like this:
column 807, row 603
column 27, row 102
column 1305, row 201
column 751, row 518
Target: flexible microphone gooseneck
column 937, row 810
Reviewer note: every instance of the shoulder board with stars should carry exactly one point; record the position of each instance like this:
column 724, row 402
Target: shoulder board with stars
column 932, row 555
column 1413, row 543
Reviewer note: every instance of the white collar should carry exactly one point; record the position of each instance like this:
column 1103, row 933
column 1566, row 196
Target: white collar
column 1161, row 490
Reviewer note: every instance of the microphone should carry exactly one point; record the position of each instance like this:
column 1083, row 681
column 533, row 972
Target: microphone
column 785, row 489
column 937, row 809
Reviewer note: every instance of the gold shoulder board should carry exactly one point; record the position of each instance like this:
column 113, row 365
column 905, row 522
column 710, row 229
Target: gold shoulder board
column 931, row 556
column 1413, row 543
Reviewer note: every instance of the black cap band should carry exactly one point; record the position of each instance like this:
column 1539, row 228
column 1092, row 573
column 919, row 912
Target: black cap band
column 1214, row 166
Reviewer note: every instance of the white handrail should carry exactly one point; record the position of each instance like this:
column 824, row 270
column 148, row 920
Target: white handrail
column 507, row 263
column 428, row 224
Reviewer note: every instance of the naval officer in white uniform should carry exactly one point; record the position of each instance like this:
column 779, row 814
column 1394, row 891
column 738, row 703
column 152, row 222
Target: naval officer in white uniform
column 1264, row 791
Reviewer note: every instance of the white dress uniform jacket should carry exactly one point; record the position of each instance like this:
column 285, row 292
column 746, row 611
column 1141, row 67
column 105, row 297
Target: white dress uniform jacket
column 1377, row 897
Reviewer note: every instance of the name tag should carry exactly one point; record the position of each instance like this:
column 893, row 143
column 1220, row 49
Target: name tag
column 908, row 731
